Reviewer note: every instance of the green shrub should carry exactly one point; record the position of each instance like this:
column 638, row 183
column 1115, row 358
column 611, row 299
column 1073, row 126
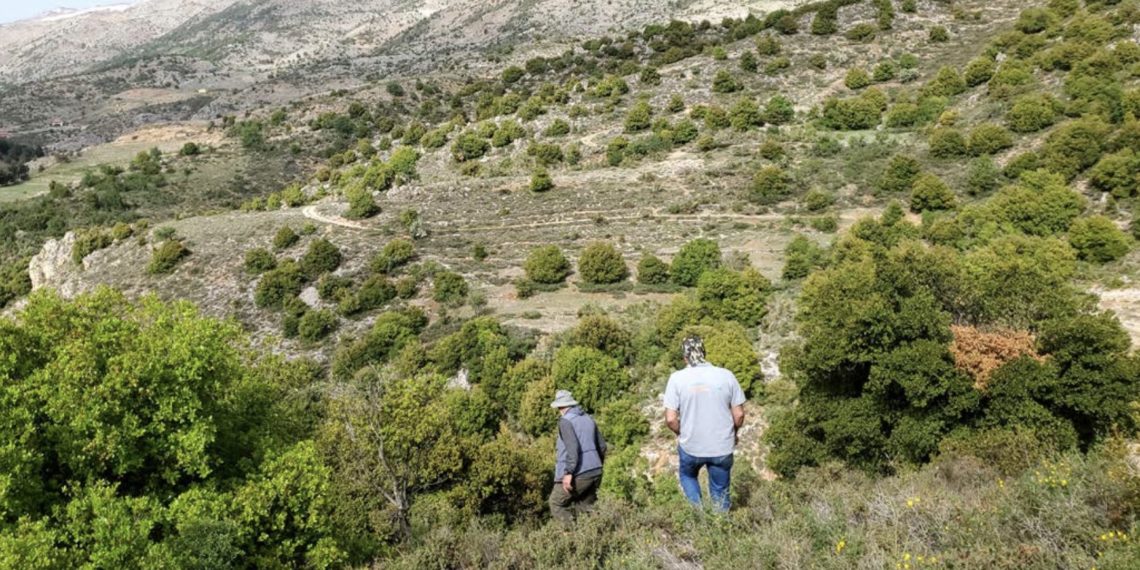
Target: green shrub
column 547, row 265
column 694, row 258
column 725, row 82
column 321, row 257
column 652, row 271
column 449, row 288
column 277, row 285
column 676, row 104
column 259, row 260
column 852, row 113
column 979, row 71
column 333, row 288
column 771, row 150
column 900, row 174
column 285, row 238
column 1034, row 20
column 745, row 114
column 988, row 138
column 770, row 185
column 393, row 255
column 594, row 377
column 1097, row 239
column 939, row 34
column 639, row 118
column 316, row 325
column 862, row 32
column 360, row 203
column 88, row 242
column 374, row 293
column 166, row 257
column 825, row 22
column 857, row 78
column 884, row 71
column 779, row 110
column 1075, row 146
column 545, row 154
column 982, row 176
column 768, row 45
column 540, row 180
column 947, row 143
column 931, row 193
column 469, row 146
column 558, row 128
column 601, row 264
column 728, row 295
column 508, row 132
column 1040, row 204
column 1117, row 173
column 684, row 132
column 1030, row 113
column 801, row 256
column 604, row 334
column 947, row 83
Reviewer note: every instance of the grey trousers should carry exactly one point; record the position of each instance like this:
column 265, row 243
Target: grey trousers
column 583, row 494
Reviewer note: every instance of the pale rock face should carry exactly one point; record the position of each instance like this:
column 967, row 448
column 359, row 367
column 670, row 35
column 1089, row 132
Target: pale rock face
column 459, row 382
column 48, row 267
column 311, row 297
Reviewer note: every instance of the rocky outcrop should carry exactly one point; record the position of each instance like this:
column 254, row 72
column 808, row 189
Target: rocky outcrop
column 49, row 266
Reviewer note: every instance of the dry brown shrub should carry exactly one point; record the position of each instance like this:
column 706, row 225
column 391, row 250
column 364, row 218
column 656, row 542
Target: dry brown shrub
column 978, row 353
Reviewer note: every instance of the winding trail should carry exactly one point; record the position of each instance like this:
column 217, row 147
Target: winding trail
column 314, row 214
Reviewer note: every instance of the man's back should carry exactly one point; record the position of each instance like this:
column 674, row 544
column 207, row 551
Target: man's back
column 704, row 395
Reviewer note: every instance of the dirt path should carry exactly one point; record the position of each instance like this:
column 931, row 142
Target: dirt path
column 314, row 214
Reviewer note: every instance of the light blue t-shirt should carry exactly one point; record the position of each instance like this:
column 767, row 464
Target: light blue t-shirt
column 704, row 396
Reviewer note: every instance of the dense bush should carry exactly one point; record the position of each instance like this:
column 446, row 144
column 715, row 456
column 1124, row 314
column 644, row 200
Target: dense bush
column 547, row 265
column 1030, row 113
column 982, row 176
column 601, row 264
column 449, row 288
column 652, row 271
column 321, row 257
column 900, row 174
column 694, row 258
column 594, row 377
column 316, row 325
column 857, row 78
column 931, row 193
column 186, row 452
column 166, row 256
column 259, row 260
column 947, row 143
column 374, row 293
column 725, row 82
column 770, row 185
column 988, row 138
column 729, row 295
column 1097, row 239
column 360, row 202
column 393, row 255
column 285, row 238
column 979, row 71
column 277, row 285
column 801, row 257
column 852, row 113
column 540, row 180
column 1117, row 173
column 639, row 118
column 602, row 333
column 469, row 146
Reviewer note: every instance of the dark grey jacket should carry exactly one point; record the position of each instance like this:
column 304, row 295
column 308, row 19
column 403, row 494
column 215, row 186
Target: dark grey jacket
column 580, row 448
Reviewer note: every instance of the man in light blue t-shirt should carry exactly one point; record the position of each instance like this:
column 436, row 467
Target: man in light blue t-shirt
column 704, row 406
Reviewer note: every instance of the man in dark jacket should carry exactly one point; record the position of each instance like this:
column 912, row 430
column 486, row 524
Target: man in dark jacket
column 578, row 463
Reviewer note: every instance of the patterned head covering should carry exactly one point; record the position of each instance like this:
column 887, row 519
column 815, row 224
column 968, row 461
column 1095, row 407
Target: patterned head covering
column 693, row 349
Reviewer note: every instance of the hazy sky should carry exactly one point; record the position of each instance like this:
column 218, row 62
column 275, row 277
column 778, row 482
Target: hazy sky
column 11, row 10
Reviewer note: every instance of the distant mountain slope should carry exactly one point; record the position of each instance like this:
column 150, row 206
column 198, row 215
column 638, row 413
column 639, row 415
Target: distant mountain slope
column 270, row 35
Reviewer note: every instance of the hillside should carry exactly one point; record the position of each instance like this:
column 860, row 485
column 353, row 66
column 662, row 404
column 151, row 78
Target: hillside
column 324, row 329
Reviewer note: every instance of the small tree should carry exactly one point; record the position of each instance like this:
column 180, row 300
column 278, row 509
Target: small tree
column 779, row 110
column 321, row 257
column 857, row 78
column 639, row 118
column 285, row 238
column 988, row 138
column 449, row 288
column 316, row 325
column 360, row 202
column 982, row 176
column 725, row 82
column 259, row 260
column 931, row 193
column 693, row 259
column 770, row 185
column 947, row 143
column 166, row 256
column 393, row 255
column 900, row 174
column 601, row 264
column 939, row 34
column 652, row 271
column 1097, row 239
column 541, row 181
column 547, row 265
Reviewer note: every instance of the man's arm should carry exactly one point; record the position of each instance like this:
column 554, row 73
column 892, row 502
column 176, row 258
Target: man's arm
column 737, row 416
column 673, row 420
column 570, row 440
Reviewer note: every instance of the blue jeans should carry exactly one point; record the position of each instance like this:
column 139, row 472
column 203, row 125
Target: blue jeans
column 720, row 474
